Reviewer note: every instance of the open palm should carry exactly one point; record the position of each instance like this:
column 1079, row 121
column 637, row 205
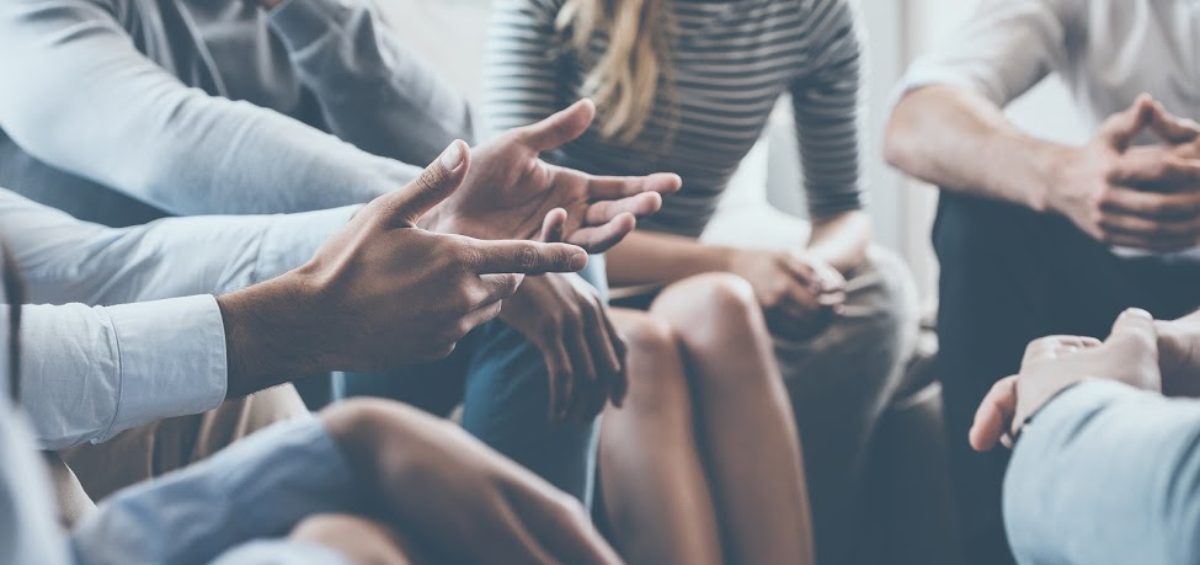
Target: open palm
column 510, row 190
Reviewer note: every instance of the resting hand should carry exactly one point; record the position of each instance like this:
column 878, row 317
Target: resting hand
column 799, row 293
column 457, row 496
column 1052, row 364
column 510, row 190
column 585, row 356
column 1145, row 197
column 383, row 292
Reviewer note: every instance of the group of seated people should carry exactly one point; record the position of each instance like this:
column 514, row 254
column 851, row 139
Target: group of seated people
column 512, row 342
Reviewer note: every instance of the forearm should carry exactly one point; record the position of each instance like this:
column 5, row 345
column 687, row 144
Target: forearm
column 373, row 91
column 646, row 257
column 842, row 240
column 962, row 142
column 1096, row 452
column 84, row 84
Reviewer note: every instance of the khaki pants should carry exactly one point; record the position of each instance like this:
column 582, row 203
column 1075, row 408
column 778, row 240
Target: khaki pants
column 90, row 472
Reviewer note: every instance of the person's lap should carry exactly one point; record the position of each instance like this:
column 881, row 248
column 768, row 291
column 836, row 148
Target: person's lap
column 1009, row 276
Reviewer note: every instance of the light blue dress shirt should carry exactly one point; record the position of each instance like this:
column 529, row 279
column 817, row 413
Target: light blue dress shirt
column 105, row 349
column 1106, row 474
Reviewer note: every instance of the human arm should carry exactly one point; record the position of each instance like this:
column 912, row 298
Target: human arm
column 948, row 128
column 83, row 84
column 373, row 91
column 1106, row 473
column 63, row 259
column 827, row 105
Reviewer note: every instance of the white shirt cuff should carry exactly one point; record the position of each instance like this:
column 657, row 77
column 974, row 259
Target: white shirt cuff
column 172, row 360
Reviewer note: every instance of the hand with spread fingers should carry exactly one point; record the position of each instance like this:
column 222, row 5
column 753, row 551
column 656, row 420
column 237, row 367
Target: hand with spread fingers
column 383, row 292
column 510, row 189
column 1052, row 364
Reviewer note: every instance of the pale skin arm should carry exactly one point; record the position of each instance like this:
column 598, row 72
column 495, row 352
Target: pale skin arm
column 646, row 257
column 1145, row 198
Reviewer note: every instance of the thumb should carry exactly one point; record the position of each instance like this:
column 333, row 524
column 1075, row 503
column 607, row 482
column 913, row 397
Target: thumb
column 561, row 128
column 1136, row 326
column 1122, row 128
column 437, row 182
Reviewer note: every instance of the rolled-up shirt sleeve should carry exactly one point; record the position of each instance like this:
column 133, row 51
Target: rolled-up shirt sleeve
column 1003, row 50
column 92, row 372
column 1106, row 474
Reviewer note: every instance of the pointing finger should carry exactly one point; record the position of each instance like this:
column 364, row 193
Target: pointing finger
column 527, row 257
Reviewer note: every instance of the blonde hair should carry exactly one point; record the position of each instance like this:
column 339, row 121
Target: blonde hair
column 624, row 81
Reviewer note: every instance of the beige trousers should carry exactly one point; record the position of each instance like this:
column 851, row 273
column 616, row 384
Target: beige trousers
column 90, row 472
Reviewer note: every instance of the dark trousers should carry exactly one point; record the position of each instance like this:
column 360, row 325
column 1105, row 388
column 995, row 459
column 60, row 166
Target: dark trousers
column 1009, row 276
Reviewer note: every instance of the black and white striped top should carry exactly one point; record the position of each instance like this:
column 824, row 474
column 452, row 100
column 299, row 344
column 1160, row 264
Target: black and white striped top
column 731, row 60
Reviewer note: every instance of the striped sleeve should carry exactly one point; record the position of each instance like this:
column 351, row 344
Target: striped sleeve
column 827, row 104
column 521, row 78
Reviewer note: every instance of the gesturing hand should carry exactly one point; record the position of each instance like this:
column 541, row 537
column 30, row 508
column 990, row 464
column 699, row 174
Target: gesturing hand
column 585, row 356
column 799, row 293
column 383, row 292
column 444, row 487
column 1144, row 197
column 1051, row 364
column 510, row 189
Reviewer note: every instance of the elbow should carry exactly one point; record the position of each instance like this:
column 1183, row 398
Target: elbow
column 901, row 146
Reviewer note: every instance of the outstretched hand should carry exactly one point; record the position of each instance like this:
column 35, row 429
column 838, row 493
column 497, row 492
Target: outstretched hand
column 383, row 292
column 510, row 189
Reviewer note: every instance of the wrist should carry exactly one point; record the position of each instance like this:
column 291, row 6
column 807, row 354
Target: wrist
column 1057, row 169
column 268, row 337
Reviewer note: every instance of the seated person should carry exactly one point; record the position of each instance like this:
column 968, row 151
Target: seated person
column 1035, row 237
column 689, row 85
column 1105, row 463
column 380, row 253
column 123, row 111
column 364, row 482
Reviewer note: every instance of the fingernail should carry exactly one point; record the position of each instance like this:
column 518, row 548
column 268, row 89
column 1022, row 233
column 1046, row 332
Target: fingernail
column 452, row 157
column 1139, row 313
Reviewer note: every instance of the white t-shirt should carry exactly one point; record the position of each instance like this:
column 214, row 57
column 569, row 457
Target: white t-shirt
column 1106, row 51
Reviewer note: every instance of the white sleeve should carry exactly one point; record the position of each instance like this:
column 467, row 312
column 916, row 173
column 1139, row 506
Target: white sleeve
column 92, row 372
column 1003, row 50
column 63, row 259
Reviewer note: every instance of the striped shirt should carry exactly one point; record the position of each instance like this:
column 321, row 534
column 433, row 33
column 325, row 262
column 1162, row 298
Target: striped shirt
column 730, row 62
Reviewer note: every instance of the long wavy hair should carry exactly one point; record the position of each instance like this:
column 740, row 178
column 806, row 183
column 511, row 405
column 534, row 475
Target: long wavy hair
column 625, row 80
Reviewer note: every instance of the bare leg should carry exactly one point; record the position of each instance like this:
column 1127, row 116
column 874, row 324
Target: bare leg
column 653, row 482
column 745, row 418
column 358, row 540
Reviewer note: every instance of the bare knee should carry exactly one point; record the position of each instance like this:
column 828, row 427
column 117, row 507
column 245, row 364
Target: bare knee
column 710, row 307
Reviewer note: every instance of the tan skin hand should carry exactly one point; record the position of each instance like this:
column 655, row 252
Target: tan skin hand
column 382, row 292
column 511, row 189
column 585, row 355
column 1130, row 355
column 444, row 486
column 1146, row 197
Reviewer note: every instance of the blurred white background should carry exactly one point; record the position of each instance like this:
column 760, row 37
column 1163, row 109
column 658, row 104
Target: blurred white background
column 452, row 33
